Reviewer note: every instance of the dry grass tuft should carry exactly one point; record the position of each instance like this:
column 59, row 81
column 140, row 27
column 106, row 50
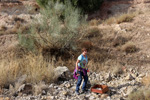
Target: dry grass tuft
column 120, row 40
column 94, row 22
column 94, row 82
column 125, row 18
column 110, row 20
column 38, row 88
column 141, row 94
column 33, row 66
column 147, row 95
column 108, row 65
column 93, row 32
column 3, row 28
column 18, row 27
column 117, row 69
column 17, row 19
column 146, row 80
column 121, row 18
column 138, row 95
column 129, row 47
column 114, row 66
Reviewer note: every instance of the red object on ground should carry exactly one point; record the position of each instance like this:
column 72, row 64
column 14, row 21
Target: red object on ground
column 104, row 88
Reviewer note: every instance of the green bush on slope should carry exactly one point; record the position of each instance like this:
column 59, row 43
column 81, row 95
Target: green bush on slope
column 52, row 31
column 85, row 5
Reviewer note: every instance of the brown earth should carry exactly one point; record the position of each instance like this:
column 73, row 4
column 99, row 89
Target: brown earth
column 136, row 31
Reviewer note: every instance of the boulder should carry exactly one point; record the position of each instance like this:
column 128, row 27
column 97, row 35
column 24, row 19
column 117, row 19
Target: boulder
column 62, row 72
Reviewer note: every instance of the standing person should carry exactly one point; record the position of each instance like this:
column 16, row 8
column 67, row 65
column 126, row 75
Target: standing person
column 81, row 67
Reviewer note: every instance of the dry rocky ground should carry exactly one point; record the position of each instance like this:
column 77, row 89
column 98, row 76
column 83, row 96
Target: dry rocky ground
column 135, row 65
column 120, row 86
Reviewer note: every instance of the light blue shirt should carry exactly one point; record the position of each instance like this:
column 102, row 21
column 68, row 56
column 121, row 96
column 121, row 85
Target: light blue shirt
column 83, row 61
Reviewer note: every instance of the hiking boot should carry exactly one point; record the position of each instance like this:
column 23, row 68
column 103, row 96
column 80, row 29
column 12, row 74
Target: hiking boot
column 86, row 90
column 83, row 91
column 77, row 93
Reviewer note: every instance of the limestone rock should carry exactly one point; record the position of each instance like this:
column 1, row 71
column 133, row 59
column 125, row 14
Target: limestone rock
column 138, row 79
column 141, row 75
column 92, row 97
column 68, row 85
column 108, row 77
column 61, row 72
column 130, row 89
column 65, row 93
column 103, row 96
column 25, row 88
column 129, row 77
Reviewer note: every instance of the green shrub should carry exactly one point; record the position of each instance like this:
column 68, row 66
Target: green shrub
column 85, row 5
column 53, row 31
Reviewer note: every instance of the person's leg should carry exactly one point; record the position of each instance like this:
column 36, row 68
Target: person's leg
column 79, row 81
column 85, row 82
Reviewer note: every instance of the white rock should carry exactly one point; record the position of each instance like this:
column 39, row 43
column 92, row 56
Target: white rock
column 68, row 85
column 141, row 75
column 52, row 85
column 129, row 77
column 138, row 79
column 92, row 97
column 134, row 75
column 130, row 89
column 103, row 96
column 21, row 88
column 61, row 72
column 65, row 93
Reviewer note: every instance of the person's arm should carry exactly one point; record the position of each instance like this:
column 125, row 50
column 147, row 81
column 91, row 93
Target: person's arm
column 77, row 64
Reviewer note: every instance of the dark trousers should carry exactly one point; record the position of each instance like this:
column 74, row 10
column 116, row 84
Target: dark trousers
column 85, row 77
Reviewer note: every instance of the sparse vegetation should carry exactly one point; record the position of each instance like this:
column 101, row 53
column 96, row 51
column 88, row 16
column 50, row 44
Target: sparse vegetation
column 94, row 82
column 57, row 33
column 33, row 66
column 117, row 69
column 129, row 47
column 86, row 6
column 93, row 32
column 18, row 26
column 38, row 88
column 53, row 30
column 141, row 94
column 17, row 19
column 125, row 18
column 110, row 20
column 120, row 40
column 128, row 17
column 3, row 28
column 146, row 80
column 94, row 22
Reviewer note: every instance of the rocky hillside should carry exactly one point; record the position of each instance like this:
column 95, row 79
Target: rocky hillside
column 119, row 58
column 120, row 86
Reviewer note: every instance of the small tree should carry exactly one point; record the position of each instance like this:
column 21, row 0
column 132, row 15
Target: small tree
column 58, row 27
